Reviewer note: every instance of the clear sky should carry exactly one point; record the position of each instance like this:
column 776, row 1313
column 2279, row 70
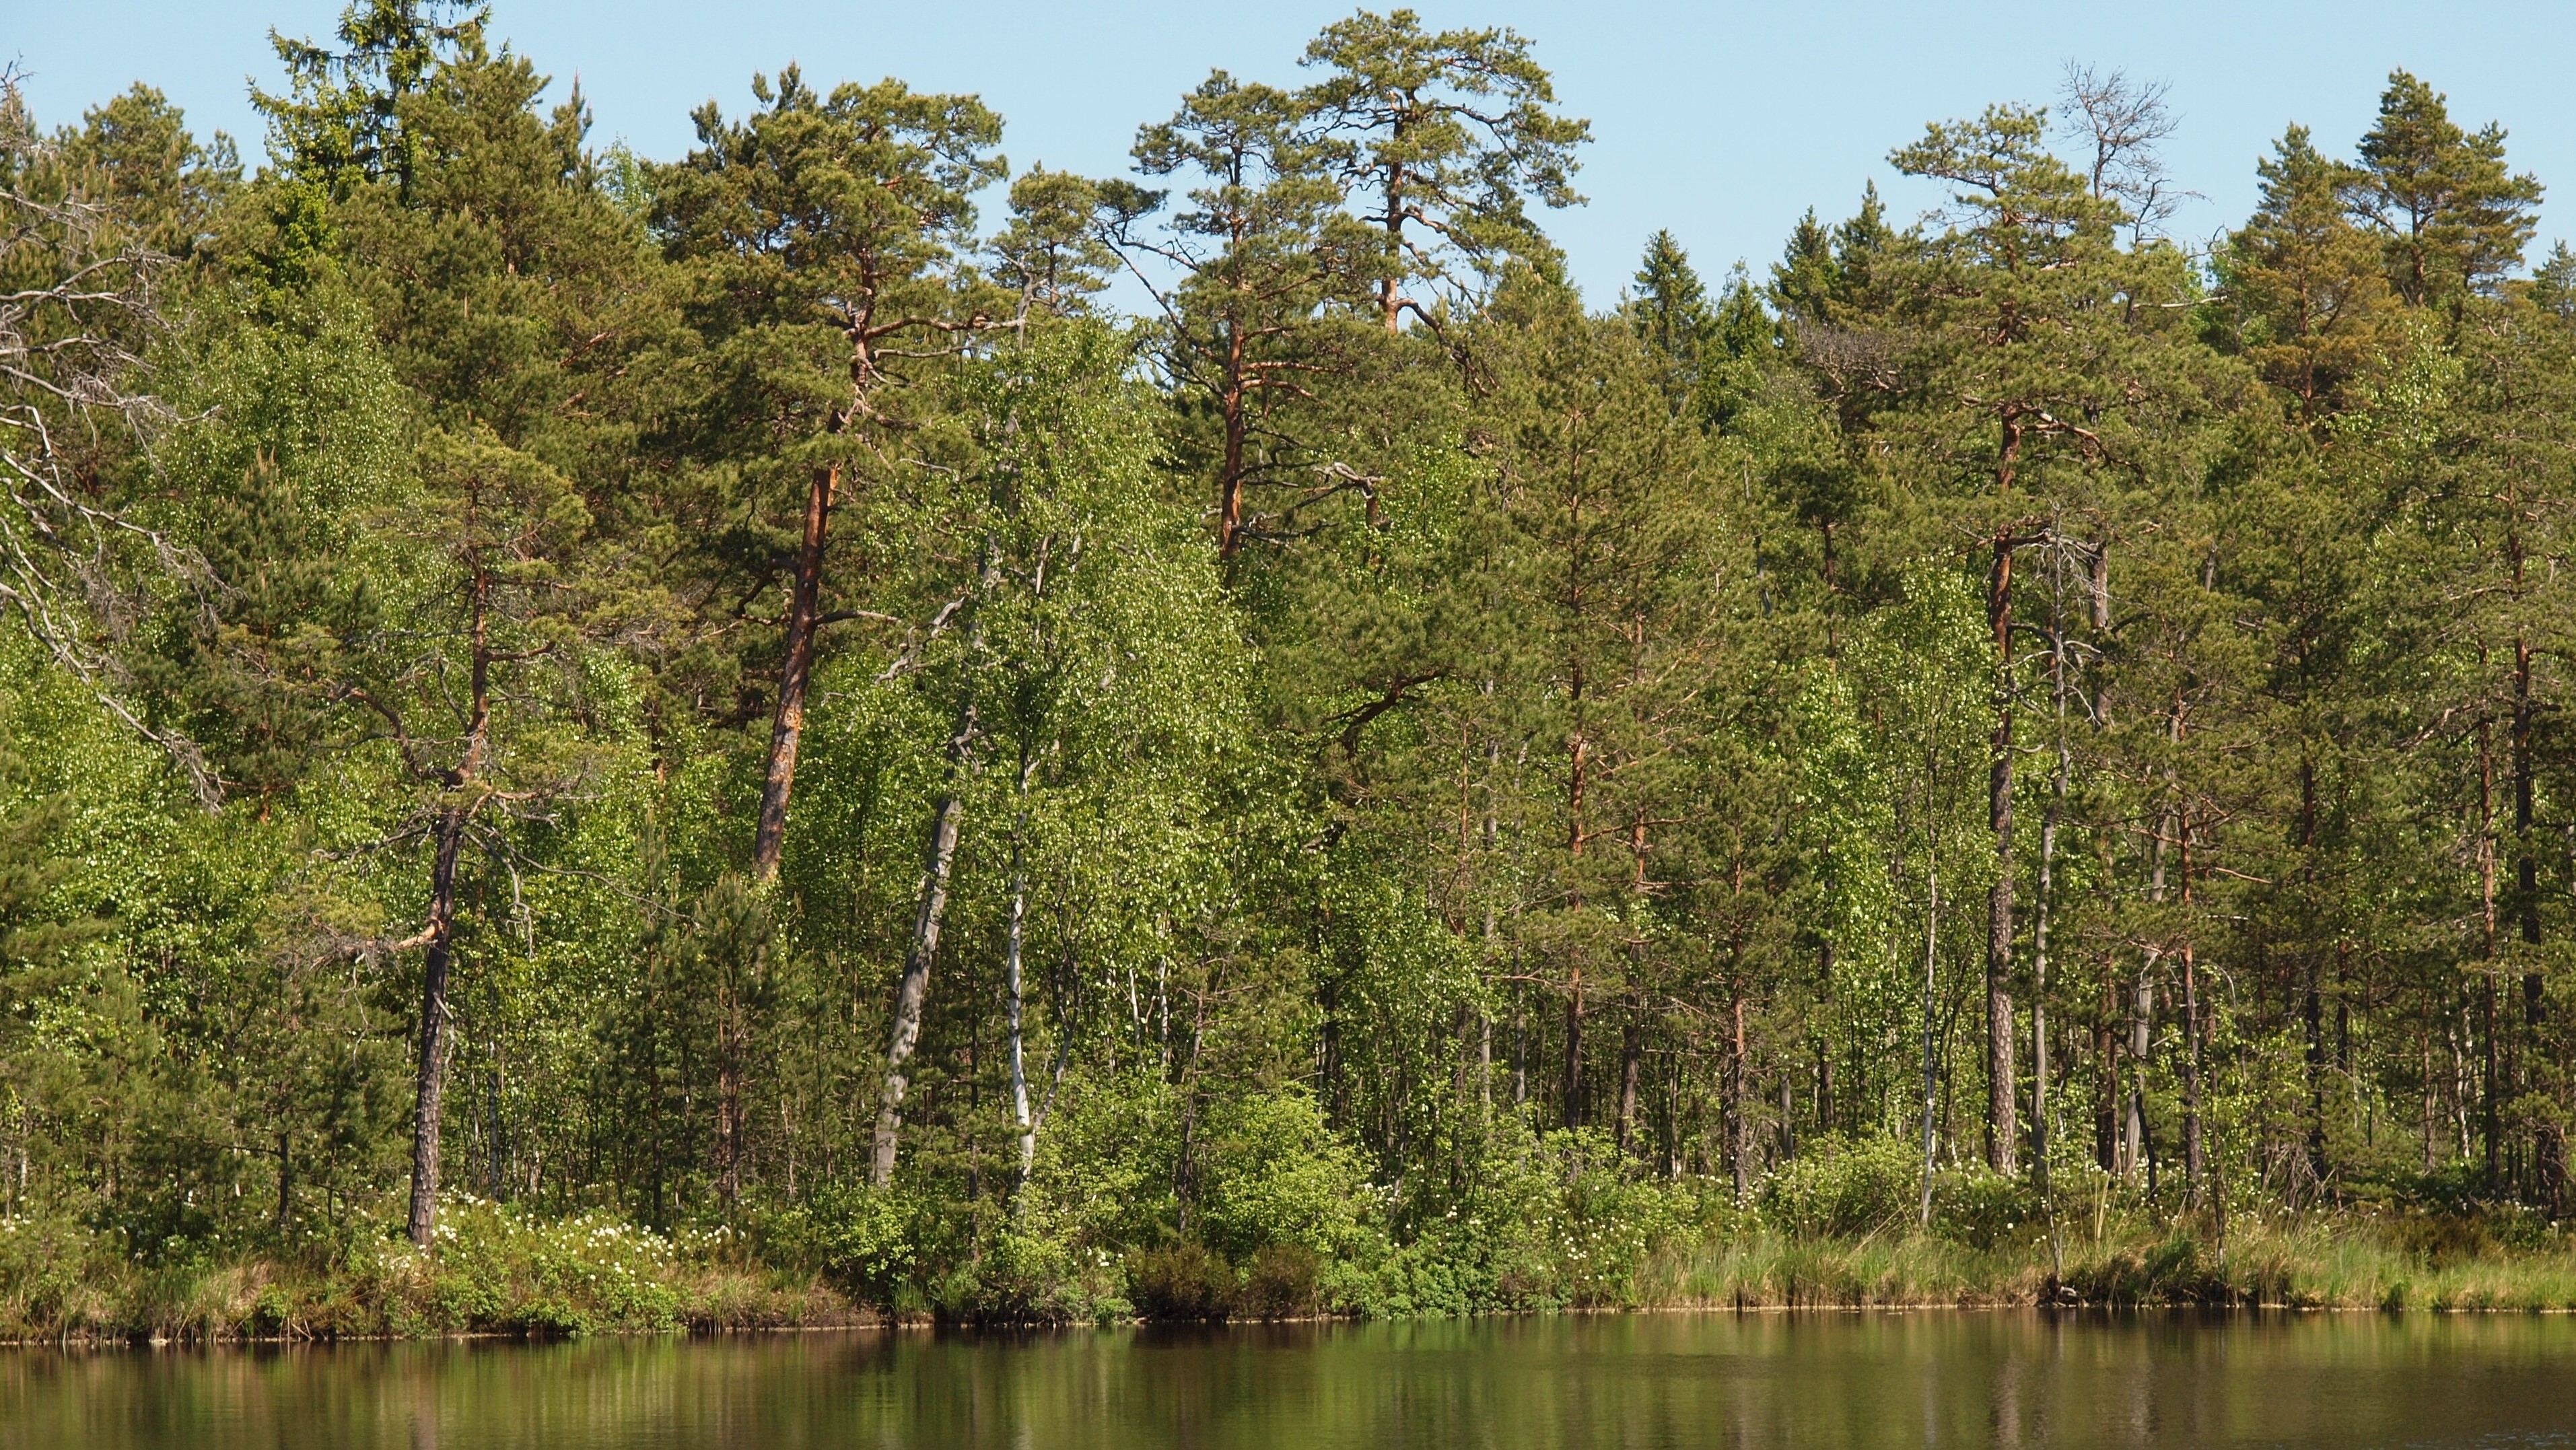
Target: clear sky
column 1722, row 122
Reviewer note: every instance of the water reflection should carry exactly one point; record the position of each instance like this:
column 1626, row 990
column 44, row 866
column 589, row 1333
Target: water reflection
column 1527, row 1384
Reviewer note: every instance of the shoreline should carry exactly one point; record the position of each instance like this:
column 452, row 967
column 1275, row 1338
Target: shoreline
column 2321, row 1270
column 933, row 1325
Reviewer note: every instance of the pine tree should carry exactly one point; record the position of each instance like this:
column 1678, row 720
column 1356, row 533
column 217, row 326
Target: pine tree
column 2305, row 282
column 819, row 232
column 340, row 124
column 2450, row 216
column 1803, row 281
column 2027, row 322
column 1447, row 137
column 1263, row 258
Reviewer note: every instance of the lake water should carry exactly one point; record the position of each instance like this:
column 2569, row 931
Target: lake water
column 1567, row 1383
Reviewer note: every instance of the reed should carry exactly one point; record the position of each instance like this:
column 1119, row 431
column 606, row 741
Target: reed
column 2306, row 1262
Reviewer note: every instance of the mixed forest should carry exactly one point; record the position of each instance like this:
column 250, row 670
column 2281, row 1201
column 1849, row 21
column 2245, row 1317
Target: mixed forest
column 866, row 726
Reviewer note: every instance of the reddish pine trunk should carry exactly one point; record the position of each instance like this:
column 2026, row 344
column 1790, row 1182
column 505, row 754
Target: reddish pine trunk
column 769, row 837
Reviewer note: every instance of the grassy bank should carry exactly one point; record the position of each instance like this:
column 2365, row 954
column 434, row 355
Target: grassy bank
column 1558, row 1227
column 493, row 1271
column 499, row 1275
column 2316, row 1263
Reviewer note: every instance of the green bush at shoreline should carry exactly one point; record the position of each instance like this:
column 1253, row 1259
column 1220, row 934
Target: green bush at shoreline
column 1837, row 1230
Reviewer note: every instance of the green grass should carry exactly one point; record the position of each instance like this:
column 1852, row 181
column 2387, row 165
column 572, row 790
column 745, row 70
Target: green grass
column 2312, row 1261
column 504, row 1271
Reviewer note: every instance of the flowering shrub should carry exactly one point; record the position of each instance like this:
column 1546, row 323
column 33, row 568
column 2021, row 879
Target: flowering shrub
column 495, row 1268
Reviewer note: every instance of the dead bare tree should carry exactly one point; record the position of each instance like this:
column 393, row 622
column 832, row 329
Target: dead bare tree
column 2124, row 122
column 80, row 300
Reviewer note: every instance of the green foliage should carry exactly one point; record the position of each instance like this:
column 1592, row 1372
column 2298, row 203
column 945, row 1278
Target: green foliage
column 860, row 1238
column 1185, row 1281
column 1377, row 788
column 1846, row 1189
column 1277, row 1177
column 498, row 1268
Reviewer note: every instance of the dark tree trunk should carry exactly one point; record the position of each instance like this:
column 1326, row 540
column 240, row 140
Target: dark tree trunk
column 1574, row 1052
column 2548, row 1152
column 428, row 1111
column 1631, row 1055
column 430, row 1105
column 2194, row 1159
column 2489, row 1088
column 1738, row 1141
column 2106, row 1086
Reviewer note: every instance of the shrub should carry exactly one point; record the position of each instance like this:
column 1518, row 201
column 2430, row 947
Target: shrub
column 863, row 1240
column 1612, row 1220
column 1981, row 1208
column 49, row 1271
column 1185, row 1281
column 1276, row 1175
column 1280, row 1283
column 1846, row 1189
column 1024, row 1278
column 494, row 1267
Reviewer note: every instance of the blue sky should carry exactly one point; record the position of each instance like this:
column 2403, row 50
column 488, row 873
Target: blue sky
column 1722, row 122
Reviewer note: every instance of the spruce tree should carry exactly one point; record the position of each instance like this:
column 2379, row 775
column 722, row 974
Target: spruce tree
column 1669, row 309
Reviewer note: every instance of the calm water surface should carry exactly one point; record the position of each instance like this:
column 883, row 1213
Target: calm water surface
column 1574, row 1383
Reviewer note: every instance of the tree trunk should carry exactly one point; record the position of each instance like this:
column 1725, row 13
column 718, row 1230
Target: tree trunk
column 2142, row 1021
column 1632, row 1047
column 2489, row 1109
column 1390, row 298
column 2547, row 1152
column 428, row 1110
column 769, row 837
column 2106, row 1083
column 1574, row 1051
column 1230, row 405
column 1738, row 1141
column 1631, row 1055
column 2003, row 1133
column 430, row 1102
column 2194, row 1158
column 1828, row 1106
column 938, row 860
column 2044, row 907
column 1013, row 936
column 1931, row 987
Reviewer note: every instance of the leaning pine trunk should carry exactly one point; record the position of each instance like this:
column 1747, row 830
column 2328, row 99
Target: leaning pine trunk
column 769, row 837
